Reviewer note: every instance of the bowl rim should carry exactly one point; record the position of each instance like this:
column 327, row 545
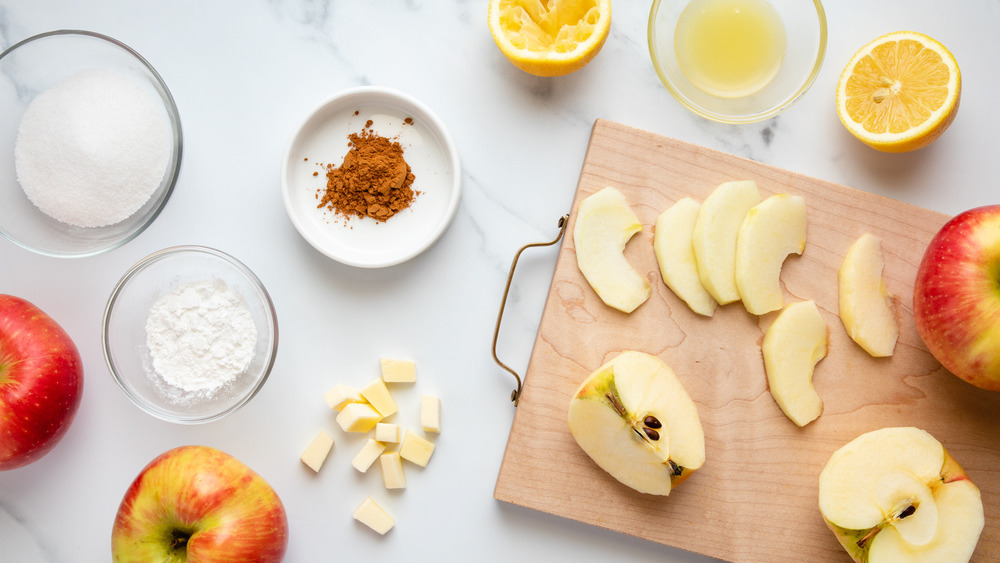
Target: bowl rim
column 437, row 126
column 748, row 118
column 173, row 114
column 162, row 254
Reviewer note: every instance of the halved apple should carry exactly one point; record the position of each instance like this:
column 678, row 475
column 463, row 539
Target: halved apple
column 793, row 344
column 675, row 255
column 604, row 224
column 771, row 230
column 865, row 305
column 635, row 420
column 896, row 495
column 714, row 237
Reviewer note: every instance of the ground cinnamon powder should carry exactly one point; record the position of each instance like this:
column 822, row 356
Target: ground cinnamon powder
column 373, row 181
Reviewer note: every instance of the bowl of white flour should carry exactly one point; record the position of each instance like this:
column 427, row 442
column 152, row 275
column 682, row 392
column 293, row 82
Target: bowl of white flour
column 90, row 143
column 190, row 334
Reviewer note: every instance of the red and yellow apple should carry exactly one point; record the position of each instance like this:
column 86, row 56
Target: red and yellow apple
column 956, row 297
column 198, row 504
column 41, row 382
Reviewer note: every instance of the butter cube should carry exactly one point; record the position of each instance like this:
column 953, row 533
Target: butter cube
column 392, row 471
column 373, row 516
column 378, row 395
column 367, row 455
column 430, row 413
column 386, row 432
column 340, row 395
column 416, row 449
column 398, row 371
column 358, row 417
column 315, row 454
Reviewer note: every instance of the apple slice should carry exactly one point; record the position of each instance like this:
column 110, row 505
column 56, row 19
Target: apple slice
column 714, row 237
column 675, row 255
column 604, row 224
column 635, row 420
column 865, row 306
column 771, row 231
column 897, row 495
column 793, row 344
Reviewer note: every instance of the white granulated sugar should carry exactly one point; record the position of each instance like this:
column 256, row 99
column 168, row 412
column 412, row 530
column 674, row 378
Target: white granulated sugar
column 200, row 336
column 91, row 150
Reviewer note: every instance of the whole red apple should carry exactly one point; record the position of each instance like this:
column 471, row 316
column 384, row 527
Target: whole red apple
column 956, row 297
column 198, row 504
column 41, row 382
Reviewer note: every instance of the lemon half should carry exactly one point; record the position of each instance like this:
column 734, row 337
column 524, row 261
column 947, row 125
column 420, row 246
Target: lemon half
column 549, row 37
column 899, row 92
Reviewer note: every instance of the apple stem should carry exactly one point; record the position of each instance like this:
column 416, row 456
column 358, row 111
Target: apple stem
column 871, row 533
column 617, row 404
column 908, row 511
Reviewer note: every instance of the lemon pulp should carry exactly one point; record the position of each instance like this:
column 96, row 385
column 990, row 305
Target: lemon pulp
column 730, row 48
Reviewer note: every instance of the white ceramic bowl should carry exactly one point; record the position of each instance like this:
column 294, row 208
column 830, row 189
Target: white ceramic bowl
column 124, row 333
column 33, row 66
column 805, row 33
column 323, row 139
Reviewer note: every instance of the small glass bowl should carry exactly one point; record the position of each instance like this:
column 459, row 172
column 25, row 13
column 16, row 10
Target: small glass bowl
column 29, row 68
column 806, row 35
column 124, row 333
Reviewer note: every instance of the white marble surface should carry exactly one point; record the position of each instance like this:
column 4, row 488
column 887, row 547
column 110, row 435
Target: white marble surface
column 244, row 73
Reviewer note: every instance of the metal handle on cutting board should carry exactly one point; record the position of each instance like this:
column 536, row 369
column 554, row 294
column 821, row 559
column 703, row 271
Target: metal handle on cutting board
column 516, row 393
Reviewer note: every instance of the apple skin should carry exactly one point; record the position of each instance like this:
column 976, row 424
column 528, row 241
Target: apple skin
column 956, row 297
column 197, row 504
column 41, row 382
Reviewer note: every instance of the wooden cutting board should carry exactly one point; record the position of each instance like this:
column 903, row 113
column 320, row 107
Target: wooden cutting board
column 755, row 499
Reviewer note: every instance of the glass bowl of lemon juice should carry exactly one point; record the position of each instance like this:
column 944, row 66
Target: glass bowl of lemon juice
column 737, row 61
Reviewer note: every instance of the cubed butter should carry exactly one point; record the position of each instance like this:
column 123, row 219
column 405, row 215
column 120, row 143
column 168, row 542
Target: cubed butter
column 340, row 395
column 374, row 516
column 379, row 397
column 416, row 449
column 387, row 432
column 367, row 455
column 392, row 471
column 315, row 454
column 358, row 417
column 398, row 371
column 430, row 413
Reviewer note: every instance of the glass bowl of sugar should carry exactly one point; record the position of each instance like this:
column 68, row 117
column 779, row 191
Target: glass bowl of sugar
column 189, row 334
column 90, row 143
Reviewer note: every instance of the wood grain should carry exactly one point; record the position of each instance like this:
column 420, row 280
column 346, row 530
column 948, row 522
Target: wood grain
column 756, row 497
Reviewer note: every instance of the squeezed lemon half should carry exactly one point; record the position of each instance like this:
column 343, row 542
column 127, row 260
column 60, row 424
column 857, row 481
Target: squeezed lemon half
column 549, row 37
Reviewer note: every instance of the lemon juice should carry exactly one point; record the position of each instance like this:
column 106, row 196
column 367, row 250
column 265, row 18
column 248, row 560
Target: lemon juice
column 729, row 48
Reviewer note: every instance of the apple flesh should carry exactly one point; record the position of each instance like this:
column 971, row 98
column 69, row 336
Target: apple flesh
column 714, row 237
column 633, row 417
column 771, row 231
column 672, row 245
column 41, row 382
column 792, row 345
column 604, row 225
column 956, row 297
column 896, row 495
column 865, row 305
column 196, row 503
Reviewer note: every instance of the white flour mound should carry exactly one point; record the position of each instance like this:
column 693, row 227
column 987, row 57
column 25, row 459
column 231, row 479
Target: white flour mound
column 200, row 336
column 91, row 150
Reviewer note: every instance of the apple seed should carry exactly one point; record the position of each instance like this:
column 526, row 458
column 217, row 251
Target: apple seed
column 652, row 422
column 653, row 434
